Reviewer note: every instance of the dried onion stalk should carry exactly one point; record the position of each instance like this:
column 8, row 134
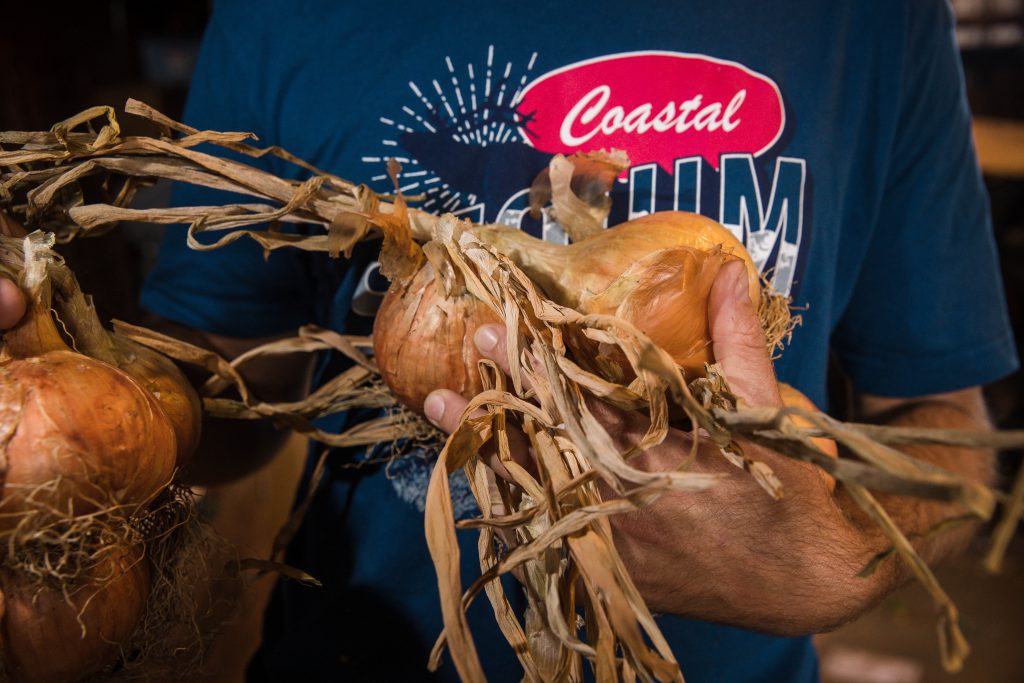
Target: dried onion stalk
column 654, row 272
column 557, row 512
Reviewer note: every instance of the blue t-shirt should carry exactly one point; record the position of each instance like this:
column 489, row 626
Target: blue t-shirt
column 832, row 138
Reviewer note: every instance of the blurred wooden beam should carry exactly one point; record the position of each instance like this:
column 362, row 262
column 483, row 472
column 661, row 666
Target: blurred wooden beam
column 1000, row 145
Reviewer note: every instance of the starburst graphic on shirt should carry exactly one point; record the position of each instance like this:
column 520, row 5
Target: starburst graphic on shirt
column 472, row 105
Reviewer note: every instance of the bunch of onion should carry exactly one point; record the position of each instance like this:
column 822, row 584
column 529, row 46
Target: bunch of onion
column 654, row 272
column 89, row 446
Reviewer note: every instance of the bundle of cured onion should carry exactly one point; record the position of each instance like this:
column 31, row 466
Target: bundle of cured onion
column 92, row 431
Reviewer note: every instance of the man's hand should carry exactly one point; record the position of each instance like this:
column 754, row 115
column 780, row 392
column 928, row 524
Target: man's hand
column 733, row 554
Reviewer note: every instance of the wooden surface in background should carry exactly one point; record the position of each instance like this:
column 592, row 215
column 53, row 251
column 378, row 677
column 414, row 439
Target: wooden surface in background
column 1000, row 145
column 896, row 641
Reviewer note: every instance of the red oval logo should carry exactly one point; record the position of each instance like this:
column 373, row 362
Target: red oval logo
column 657, row 106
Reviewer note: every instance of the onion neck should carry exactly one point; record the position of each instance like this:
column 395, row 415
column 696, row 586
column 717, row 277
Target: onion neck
column 80, row 319
column 35, row 335
column 544, row 262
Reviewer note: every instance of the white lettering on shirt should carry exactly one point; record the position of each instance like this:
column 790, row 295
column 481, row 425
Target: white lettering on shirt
column 589, row 116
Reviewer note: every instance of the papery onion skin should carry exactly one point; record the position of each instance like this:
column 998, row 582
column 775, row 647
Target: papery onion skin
column 84, row 431
column 175, row 394
column 655, row 272
column 570, row 274
column 41, row 638
column 423, row 341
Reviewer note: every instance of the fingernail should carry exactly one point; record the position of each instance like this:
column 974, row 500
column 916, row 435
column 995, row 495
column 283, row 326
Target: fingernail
column 433, row 407
column 486, row 338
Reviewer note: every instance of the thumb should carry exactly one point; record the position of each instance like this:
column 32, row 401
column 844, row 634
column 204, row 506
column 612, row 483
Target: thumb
column 12, row 301
column 738, row 340
column 12, row 304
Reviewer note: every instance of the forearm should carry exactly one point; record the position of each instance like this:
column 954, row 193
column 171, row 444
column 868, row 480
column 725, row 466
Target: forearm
column 852, row 542
column 915, row 516
column 790, row 566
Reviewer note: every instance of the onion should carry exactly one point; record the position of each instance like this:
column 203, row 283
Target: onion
column 52, row 635
column 89, row 439
column 154, row 372
column 416, row 319
column 158, row 375
column 655, row 272
column 80, row 435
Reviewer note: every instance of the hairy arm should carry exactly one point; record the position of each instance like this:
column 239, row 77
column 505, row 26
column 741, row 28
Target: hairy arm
column 964, row 409
column 791, row 566
column 733, row 554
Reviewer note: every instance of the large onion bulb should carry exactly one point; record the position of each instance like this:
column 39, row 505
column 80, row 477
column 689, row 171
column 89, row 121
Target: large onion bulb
column 654, row 272
column 52, row 635
column 80, row 435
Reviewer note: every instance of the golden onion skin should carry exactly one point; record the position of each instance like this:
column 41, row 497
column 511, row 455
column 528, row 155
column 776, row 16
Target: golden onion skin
column 665, row 295
column 84, row 431
column 655, row 272
column 41, row 637
column 162, row 378
column 569, row 274
column 423, row 341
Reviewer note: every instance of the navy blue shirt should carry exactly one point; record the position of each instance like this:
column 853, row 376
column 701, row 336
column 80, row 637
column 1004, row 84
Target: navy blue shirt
column 832, row 138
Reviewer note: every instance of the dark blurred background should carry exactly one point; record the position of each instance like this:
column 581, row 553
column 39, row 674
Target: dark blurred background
column 61, row 58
